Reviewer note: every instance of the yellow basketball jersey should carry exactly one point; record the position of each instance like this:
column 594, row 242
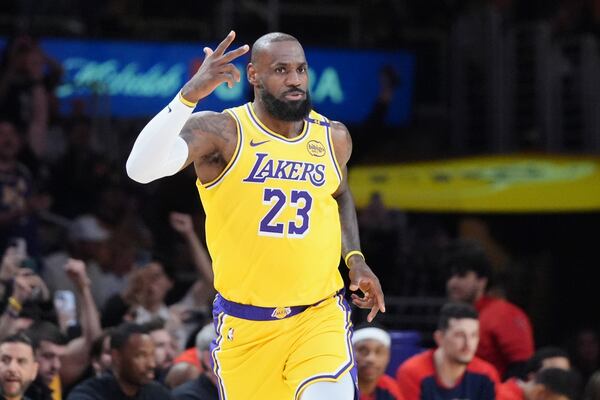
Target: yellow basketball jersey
column 272, row 225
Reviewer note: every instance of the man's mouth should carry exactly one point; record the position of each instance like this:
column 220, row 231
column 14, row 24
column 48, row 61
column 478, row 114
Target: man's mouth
column 294, row 95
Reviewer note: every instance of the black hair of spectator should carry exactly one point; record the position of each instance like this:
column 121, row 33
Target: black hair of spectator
column 155, row 324
column 121, row 334
column 19, row 338
column 535, row 362
column 163, row 260
column 45, row 331
column 463, row 256
column 560, row 381
column 455, row 310
column 97, row 344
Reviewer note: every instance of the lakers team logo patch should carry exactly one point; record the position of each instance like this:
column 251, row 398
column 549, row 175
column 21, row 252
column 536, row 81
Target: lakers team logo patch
column 281, row 312
column 316, row 148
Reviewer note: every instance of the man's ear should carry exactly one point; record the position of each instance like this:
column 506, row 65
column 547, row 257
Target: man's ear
column 251, row 74
column 437, row 337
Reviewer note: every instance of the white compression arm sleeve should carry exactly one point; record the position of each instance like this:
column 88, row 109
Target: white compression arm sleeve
column 159, row 151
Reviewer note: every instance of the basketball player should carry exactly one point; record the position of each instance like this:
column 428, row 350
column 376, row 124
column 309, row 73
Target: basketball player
column 272, row 180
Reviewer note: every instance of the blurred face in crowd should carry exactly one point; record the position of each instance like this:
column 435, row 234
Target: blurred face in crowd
column 134, row 363
column 588, row 348
column 10, row 141
column 18, row 369
column 372, row 358
column 164, row 348
column 459, row 341
column 103, row 363
column 466, row 287
column 157, row 284
column 48, row 356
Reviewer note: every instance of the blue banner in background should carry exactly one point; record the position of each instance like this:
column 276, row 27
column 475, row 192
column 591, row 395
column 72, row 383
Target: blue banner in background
column 137, row 79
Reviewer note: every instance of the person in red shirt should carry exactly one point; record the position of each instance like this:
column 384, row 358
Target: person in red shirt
column 451, row 371
column 506, row 334
column 372, row 354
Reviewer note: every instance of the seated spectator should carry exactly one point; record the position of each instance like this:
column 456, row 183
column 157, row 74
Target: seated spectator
column 592, row 387
column 544, row 358
column 372, row 353
column 100, row 354
column 451, row 371
column 132, row 353
column 204, row 385
column 585, row 352
column 19, row 203
column 18, row 367
column 548, row 357
column 506, row 335
column 50, row 345
column 165, row 347
column 547, row 384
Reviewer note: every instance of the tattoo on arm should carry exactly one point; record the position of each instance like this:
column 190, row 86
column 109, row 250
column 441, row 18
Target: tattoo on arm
column 207, row 133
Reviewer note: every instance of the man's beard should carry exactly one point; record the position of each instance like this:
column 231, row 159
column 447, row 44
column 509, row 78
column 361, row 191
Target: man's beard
column 286, row 110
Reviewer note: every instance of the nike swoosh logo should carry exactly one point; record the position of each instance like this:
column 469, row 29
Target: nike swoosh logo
column 169, row 107
column 254, row 144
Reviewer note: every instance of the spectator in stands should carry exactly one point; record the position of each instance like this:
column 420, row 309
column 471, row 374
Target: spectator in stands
column 506, row 335
column 88, row 240
column 547, row 384
column 585, row 352
column 372, row 352
column 132, row 352
column 548, row 357
column 25, row 291
column 80, row 167
column 100, row 354
column 19, row 203
column 18, row 367
column 27, row 80
column 62, row 362
column 165, row 347
column 50, row 346
column 592, row 387
column 204, row 385
column 544, row 358
column 451, row 371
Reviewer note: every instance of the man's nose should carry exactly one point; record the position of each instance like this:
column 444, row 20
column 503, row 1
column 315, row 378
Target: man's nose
column 293, row 79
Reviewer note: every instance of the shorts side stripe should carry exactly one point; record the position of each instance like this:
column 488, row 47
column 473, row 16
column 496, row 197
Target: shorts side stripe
column 216, row 366
column 346, row 367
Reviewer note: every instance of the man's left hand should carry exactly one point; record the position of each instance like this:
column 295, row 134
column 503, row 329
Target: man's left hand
column 363, row 279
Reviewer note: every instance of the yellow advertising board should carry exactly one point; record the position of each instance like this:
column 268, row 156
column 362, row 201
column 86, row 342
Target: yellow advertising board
column 505, row 184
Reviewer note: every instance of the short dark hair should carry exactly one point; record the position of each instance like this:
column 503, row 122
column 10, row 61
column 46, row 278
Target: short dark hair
column 45, row 331
column 560, row 381
column 19, row 338
column 121, row 334
column 155, row 324
column 535, row 362
column 463, row 256
column 455, row 310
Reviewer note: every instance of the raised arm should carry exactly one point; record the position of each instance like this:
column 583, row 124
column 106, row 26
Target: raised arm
column 361, row 276
column 174, row 138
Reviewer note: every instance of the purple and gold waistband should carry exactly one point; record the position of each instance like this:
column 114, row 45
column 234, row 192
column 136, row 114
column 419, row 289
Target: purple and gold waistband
column 256, row 313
